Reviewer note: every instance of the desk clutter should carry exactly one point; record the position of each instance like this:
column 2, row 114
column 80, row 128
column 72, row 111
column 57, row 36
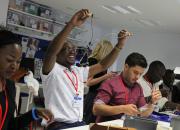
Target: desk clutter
column 140, row 123
column 102, row 127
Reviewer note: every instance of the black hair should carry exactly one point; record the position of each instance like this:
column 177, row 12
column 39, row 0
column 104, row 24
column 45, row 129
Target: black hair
column 169, row 77
column 136, row 59
column 156, row 71
column 157, row 66
column 7, row 38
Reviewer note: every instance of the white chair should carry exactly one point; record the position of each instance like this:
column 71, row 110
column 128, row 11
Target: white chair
column 26, row 101
column 17, row 98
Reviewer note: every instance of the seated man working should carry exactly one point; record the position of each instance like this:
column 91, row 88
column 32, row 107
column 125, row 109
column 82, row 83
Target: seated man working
column 151, row 80
column 122, row 94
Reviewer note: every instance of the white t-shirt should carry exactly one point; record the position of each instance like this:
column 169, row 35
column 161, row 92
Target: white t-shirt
column 60, row 95
column 147, row 90
column 146, row 86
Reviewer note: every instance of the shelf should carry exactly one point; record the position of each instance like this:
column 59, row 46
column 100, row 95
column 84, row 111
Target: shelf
column 73, row 39
column 60, row 23
column 42, row 18
column 49, row 37
column 37, row 4
column 25, row 13
column 19, row 26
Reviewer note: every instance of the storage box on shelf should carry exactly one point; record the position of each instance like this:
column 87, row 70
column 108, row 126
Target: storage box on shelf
column 16, row 4
column 36, row 20
column 28, row 20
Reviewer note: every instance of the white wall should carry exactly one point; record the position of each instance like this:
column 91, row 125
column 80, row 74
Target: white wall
column 154, row 46
column 3, row 12
column 161, row 46
column 85, row 36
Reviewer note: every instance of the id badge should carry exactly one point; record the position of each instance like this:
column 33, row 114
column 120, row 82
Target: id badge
column 77, row 101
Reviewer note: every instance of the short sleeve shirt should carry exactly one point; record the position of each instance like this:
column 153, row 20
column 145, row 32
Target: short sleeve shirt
column 59, row 92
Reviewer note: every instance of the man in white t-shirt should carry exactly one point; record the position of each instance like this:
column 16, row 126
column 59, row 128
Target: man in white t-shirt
column 63, row 83
column 151, row 81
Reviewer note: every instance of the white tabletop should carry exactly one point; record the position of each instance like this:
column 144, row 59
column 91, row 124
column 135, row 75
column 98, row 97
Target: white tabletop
column 118, row 122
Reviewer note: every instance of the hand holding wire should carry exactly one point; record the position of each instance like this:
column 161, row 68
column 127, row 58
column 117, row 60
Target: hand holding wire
column 124, row 33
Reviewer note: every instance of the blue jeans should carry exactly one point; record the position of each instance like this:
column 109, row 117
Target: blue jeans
column 61, row 125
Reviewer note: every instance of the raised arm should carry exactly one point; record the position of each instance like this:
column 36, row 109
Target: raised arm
column 93, row 81
column 58, row 42
column 111, row 57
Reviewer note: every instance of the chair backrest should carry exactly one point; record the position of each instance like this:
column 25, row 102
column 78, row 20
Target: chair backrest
column 175, row 123
column 140, row 123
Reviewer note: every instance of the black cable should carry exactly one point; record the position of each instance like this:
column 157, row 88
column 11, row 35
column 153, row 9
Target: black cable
column 92, row 31
column 89, row 44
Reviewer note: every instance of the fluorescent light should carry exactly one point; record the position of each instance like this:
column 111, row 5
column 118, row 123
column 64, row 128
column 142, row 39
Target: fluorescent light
column 132, row 9
column 145, row 22
column 158, row 23
column 108, row 8
column 121, row 9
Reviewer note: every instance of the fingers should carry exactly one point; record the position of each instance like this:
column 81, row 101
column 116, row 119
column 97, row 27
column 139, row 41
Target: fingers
column 49, row 115
column 112, row 74
column 134, row 106
column 85, row 13
column 132, row 109
column 46, row 114
column 156, row 95
column 123, row 34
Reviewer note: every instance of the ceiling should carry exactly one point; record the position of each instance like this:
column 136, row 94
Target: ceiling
column 163, row 15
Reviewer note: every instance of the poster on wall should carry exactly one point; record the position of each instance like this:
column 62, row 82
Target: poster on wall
column 33, row 51
column 30, row 46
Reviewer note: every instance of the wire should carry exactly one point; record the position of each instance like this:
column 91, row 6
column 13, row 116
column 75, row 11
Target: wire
column 92, row 31
column 90, row 42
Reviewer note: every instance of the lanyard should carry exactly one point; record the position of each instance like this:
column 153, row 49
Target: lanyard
column 125, row 90
column 74, row 84
column 2, row 118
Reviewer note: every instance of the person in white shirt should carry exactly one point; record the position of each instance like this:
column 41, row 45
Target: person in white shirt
column 151, row 81
column 63, row 83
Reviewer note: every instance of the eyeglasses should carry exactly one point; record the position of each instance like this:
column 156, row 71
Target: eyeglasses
column 70, row 49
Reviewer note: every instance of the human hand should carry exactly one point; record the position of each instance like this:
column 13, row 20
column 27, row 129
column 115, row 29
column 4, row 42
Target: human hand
column 156, row 95
column 45, row 113
column 80, row 17
column 131, row 109
column 111, row 74
column 122, row 36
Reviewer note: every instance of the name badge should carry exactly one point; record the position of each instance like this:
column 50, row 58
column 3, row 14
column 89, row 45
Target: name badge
column 77, row 101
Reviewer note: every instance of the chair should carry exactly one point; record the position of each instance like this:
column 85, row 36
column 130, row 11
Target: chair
column 27, row 98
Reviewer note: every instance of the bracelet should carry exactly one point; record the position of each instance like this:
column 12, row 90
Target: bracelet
column 34, row 114
column 117, row 48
